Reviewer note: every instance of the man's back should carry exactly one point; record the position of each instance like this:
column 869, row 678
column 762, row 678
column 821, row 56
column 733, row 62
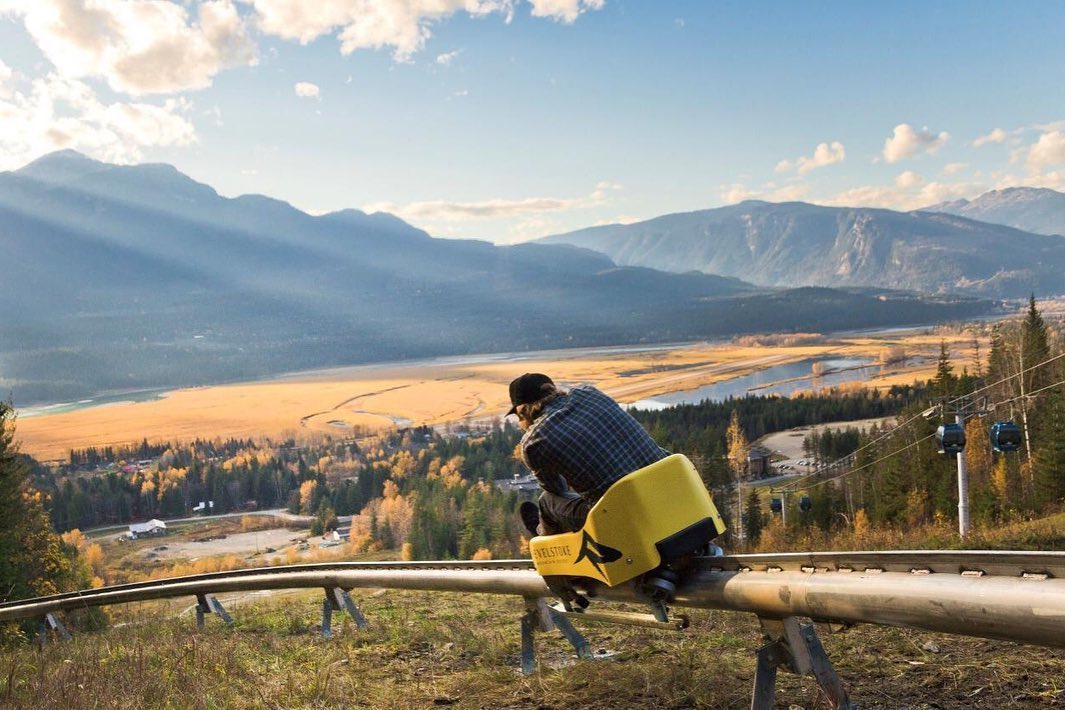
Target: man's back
column 585, row 438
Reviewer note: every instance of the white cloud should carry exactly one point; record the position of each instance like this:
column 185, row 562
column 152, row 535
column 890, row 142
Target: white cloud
column 908, row 179
column 906, row 142
column 954, row 168
column 996, row 136
column 402, row 25
column 55, row 112
column 564, row 10
column 137, row 46
column 1048, row 150
column 5, row 77
column 824, row 154
column 443, row 210
column 448, row 57
column 771, row 192
column 903, row 195
column 1054, row 179
column 307, row 90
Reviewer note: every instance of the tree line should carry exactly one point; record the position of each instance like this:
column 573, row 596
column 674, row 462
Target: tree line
column 896, row 477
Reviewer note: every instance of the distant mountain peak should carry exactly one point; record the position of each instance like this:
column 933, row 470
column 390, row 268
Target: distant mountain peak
column 1033, row 209
column 61, row 166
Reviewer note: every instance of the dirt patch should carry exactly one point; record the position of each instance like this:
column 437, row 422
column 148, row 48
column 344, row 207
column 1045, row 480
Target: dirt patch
column 789, row 443
column 236, row 544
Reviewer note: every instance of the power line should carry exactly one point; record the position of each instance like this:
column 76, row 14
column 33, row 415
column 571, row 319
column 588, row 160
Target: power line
column 1029, row 394
column 953, row 401
column 1005, row 379
column 799, row 485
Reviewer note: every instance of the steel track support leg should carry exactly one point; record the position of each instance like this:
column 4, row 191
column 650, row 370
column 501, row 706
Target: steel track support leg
column 207, row 604
column 579, row 643
column 50, row 622
column 337, row 599
column 529, row 621
column 539, row 616
column 796, row 648
column 327, row 616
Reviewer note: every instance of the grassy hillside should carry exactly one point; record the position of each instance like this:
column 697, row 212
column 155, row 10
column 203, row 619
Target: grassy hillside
column 439, row 650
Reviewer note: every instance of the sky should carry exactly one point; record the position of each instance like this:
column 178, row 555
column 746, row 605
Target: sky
column 509, row 120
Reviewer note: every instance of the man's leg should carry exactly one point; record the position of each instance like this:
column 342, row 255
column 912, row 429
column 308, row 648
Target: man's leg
column 562, row 513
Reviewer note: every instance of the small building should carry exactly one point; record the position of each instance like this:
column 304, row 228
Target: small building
column 331, row 539
column 758, row 462
column 152, row 528
column 522, row 484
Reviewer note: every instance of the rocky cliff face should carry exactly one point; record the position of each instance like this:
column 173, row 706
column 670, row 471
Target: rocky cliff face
column 799, row 244
column 1037, row 210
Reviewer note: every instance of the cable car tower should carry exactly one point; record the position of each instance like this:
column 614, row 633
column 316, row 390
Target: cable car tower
column 1005, row 437
column 951, row 439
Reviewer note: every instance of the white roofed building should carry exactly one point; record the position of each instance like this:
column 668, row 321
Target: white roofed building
column 152, row 527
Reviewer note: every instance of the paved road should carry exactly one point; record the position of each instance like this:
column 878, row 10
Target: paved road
column 281, row 513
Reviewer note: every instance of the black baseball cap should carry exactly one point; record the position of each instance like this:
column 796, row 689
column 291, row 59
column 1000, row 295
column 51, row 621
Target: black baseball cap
column 527, row 389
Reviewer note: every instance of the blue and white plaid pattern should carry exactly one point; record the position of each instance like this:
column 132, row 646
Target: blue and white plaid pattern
column 585, row 439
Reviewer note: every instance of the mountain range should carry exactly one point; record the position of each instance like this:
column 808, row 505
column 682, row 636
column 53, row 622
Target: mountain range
column 1033, row 209
column 133, row 277
column 795, row 243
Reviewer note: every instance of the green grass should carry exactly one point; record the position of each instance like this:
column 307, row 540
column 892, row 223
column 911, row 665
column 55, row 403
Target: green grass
column 449, row 650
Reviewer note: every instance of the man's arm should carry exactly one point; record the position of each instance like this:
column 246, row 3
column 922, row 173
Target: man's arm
column 550, row 480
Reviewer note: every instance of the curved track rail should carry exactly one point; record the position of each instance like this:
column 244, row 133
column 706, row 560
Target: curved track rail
column 1017, row 596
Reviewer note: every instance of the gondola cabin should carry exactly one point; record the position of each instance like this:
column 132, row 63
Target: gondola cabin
column 951, row 438
column 776, row 505
column 1005, row 436
column 805, row 504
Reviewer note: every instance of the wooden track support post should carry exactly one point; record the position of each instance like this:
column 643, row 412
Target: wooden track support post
column 797, row 648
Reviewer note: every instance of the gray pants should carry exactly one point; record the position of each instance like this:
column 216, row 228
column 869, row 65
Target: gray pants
column 562, row 513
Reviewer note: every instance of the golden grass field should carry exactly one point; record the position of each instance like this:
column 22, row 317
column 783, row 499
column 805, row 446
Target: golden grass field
column 475, row 389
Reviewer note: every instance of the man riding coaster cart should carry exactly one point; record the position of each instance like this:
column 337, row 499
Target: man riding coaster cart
column 615, row 507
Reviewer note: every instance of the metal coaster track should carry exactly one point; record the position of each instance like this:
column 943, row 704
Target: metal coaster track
column 1012, row 596
column 1005, row 595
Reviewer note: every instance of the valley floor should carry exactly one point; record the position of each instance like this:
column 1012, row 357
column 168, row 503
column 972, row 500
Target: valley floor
column 451, row 391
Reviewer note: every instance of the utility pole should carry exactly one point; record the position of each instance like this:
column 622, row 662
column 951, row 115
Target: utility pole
column 963, row 483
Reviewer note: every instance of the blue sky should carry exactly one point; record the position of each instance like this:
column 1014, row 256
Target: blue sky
column 508, row 120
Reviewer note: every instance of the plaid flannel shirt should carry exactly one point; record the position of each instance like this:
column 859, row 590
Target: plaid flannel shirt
column 585, row 442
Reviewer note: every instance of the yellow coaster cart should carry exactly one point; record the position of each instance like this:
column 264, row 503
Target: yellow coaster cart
column 646, row 527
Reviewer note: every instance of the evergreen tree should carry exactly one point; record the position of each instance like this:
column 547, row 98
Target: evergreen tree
column 32, row 559
column 1035, row 348
column 754, row 518
column 944, row 383
column 1049, row 456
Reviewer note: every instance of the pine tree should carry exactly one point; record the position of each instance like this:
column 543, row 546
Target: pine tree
column 754, row 518
column 32, row 560
column 1035, row 348
column 944, row 383
column 1049, row 457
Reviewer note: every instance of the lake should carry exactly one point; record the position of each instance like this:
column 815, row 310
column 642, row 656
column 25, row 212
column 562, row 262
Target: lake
column 783, row 380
